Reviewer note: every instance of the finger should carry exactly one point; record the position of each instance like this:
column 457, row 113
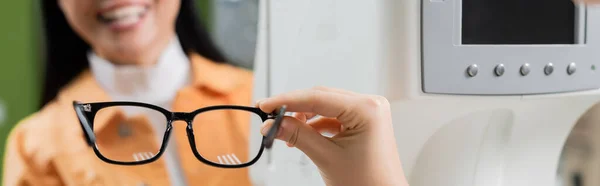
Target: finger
column 326, row 125
column 300, row 116
column 264, row 129
column 324, row 103
column 304, row 116
column 297, row 133
column 337, row 90
column 309, row 115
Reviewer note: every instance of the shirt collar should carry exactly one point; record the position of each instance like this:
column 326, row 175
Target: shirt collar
column 216, row 77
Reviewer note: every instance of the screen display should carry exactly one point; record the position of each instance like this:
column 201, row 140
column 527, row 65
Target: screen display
column 519, row 22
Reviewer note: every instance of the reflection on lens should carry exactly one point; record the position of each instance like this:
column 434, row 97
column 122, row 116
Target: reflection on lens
column 229, row 159
column 222, row 136
column 127, row 133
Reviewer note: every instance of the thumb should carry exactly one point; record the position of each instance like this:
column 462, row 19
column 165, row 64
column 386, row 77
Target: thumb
column 302, row 136
column 322, row 125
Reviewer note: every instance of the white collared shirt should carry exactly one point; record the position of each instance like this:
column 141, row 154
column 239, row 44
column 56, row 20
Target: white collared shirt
column 157, row 84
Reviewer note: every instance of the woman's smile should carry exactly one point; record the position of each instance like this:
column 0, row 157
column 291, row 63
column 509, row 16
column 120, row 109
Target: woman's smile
column 123, row 31
column 123, row 16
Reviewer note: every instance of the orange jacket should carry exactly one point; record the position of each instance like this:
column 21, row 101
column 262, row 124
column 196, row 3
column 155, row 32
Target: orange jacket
column 48, row 147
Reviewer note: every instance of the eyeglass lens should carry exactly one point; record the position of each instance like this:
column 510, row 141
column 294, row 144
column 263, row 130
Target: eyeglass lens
column 222, row 136
column 133, row 134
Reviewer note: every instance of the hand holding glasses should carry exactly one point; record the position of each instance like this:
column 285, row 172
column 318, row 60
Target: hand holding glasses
column 119, row 132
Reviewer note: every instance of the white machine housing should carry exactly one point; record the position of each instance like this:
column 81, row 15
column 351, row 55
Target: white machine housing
column 376, row 47
column 447, row 55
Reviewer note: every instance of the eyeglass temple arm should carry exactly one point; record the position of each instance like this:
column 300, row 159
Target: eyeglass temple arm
column 272, row 133
column 86, row 126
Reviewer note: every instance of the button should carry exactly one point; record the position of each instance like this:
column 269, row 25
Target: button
column 90, row 175
column 571, row 69
column 91, row 178
column 499, row 70
column 124, row 130
column 548, row 69
column 472, row 70
column 525, row 69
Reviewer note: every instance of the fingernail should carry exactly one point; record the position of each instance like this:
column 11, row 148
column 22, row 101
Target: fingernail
column 259, row 101
column 265, row 128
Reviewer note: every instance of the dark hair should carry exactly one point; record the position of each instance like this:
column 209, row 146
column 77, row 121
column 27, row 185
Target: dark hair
column 66, row 53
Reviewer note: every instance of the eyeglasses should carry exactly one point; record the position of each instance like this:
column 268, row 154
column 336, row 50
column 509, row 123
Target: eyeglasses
column 123, row 132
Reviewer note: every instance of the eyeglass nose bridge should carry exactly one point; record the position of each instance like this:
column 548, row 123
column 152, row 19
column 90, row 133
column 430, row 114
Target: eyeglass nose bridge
column 182, row 116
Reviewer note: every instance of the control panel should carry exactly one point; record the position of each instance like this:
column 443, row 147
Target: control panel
column 482, row 47
column 524, row 69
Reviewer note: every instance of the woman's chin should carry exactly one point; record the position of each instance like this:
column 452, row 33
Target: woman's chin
column 123, row 55
column 134, row 44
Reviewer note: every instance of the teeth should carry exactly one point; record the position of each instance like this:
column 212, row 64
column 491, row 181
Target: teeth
column 126, row 12
column 127, row 20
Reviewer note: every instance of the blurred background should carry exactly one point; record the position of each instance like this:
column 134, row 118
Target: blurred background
column 232, row 24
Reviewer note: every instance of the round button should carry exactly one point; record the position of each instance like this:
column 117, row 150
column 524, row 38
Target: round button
column 571, row 69
column 548, row 69
column 472, row 70
column 124, row 130
column 499, row 70
column 525, row 69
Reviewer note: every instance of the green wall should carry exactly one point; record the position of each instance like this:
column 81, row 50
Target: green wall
column 19, row 87
column 20, row 66
column 205, row 7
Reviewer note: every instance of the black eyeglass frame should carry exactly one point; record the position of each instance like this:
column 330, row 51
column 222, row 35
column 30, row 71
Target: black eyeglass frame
column 89, row 110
